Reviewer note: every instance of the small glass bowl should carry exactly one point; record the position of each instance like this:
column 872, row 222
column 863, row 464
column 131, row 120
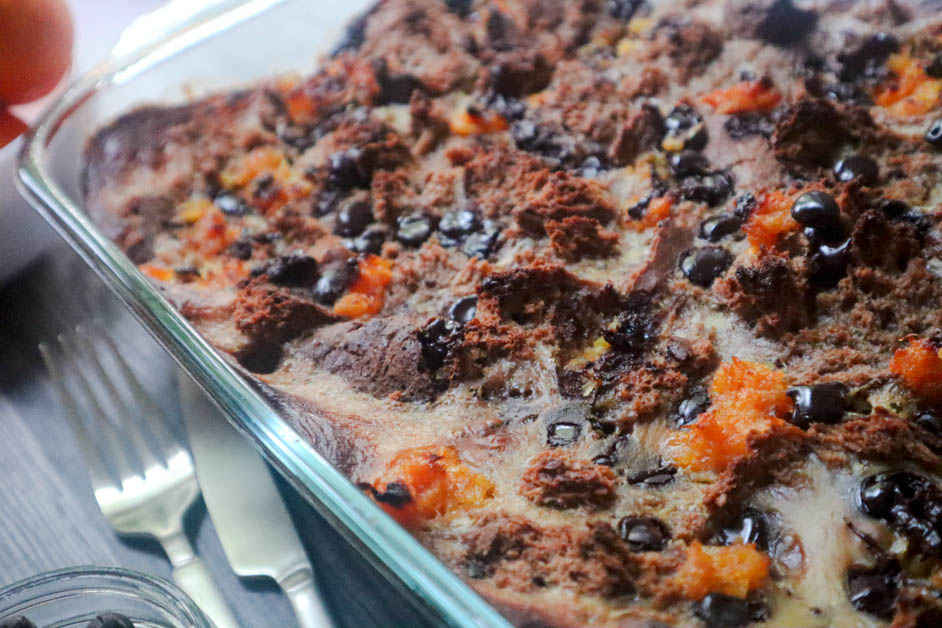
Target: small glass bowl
column 70, row 598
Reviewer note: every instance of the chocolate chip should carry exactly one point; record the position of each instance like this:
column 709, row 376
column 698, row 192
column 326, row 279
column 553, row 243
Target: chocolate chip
column 688, row 163
column 371, row 240
column 719, row 610
column 685, row 123
column 819, row 211
column 717, row 227
column 745, row 204
column 241, row 249
column 751, row 526
column 644, row 534
column 110, row 620
column 653, row 478
column 334, row 281
column 353, row 218
column 394, row 88
column 868, row 59
column 702, row 266
column 347, row 170
column 691, row 408
column 604, row 460
column 464, row 309
column 934, row 133
column 591, row 167
column 709, row 188
column 930, row 422
column 231, row 204
column 436, row 339
column 414, row 229
column 482, row 243
column 260, row 358
column 820, row 403
column 396, row 495
column 874, row 590
column 828, row 264
column 742, row 125
column 458, row 224
column 293, row 269
column 557, row 148
column 910, row 504
column 562, row 433
column 854, row 166
column 327, row 201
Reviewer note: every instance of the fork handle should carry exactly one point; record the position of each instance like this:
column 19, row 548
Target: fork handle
column 191, row 575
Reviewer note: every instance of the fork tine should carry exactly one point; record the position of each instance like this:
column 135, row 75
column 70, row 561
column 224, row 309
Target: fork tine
column 115, row 453
column 157, row 423
column 128, row 419
column 97, row 471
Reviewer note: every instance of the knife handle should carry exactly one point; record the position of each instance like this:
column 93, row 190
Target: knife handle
column 305, row 600
column 194, row 579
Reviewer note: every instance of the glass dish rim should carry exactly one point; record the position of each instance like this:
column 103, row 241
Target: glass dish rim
column 331, row 492
column 115, row 574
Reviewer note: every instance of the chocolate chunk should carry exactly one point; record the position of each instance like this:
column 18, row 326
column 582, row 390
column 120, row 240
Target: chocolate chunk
column 857, row 166
column 458, row 224
column 709, row 188
column 623, row 9
column 394, row 88
column 686, row 124
column 644, row 534
column 717, row 227
column 819, row 403
column 874, row 590
column 334, row 281
column 241, row 249
column 482, row 243
column 934, row 69
column 751, row 526
column 828, row 264
column 294, row 269
column 260, row 358
column 396, row 495
column 348, row 169
column 517, row 73
column 701, row 266
column 688, row 163
column 555, row 146
column 778, row 22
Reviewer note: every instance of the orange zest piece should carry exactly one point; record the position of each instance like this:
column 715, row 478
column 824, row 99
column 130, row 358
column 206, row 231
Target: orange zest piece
column 159, row 273
column 658, row 209
column 259, row 160
column 919, row 364
column 745, row 96
column 910, row 92
column 473, row 122
column 748, row 399
column 770, row 219
column 368, row 293
column 436, row 483
column 733, row 570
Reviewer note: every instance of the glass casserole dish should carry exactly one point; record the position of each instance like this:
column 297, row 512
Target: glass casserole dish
column 179, row 53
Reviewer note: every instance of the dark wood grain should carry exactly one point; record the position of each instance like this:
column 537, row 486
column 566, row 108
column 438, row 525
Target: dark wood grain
column 48, row 515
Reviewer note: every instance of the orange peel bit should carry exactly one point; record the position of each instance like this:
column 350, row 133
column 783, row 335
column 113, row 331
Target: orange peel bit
column 745, row 96
column 748, row 399
column 658, row 209
column 437, row 481
column 368, row 293
column 160, row 273
column 733, row 570
column 910, row 91
column 771, row 219
column 473, row 122
column 919, row 365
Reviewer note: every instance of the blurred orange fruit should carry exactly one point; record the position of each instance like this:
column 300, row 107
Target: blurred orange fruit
column 10, row 128
column 35, row 48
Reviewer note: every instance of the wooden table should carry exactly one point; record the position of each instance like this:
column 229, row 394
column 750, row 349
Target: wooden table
column 48, row 515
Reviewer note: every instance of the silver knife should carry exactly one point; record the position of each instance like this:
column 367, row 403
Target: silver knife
column 250, row 518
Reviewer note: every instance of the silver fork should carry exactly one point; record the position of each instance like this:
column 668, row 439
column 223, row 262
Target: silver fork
column 143, row 478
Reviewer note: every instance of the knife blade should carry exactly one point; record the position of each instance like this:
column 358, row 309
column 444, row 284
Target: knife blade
column 251, row 521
